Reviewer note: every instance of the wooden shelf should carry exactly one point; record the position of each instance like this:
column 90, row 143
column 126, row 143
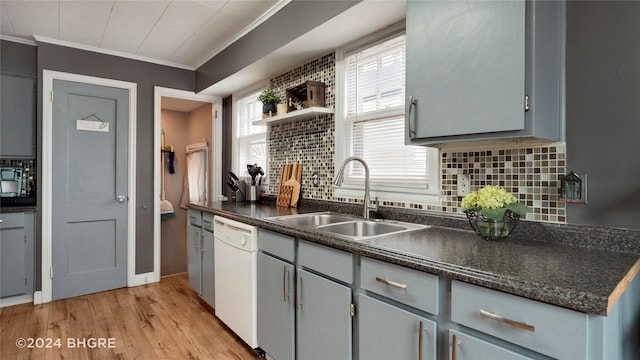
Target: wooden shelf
column 308, row 112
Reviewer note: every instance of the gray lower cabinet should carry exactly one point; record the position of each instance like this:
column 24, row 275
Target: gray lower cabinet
column 481, row 70
column 323, row 318
column 388, row 332
column 276, row 311
column 17, row 116
column 16, row 253
column 194, row 244
column 208, row 270
column 466, row 347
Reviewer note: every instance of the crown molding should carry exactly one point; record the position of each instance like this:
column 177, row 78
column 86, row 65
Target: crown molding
column 110, row 52
column 18, row 40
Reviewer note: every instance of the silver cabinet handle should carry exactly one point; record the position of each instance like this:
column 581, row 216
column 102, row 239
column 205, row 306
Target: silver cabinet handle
column 391, row 283
column 420, row 337
column 195, row 240
column 284, row 283
column 516, row 324
column 299, row 292
column 409, row 119
column 121, row 198
column 454, row 347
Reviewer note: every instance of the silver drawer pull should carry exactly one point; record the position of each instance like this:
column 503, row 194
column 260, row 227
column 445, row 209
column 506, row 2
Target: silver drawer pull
column 391, row 283
column 517, row 324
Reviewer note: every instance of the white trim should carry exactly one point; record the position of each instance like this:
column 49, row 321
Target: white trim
column 16, row 300
column 142, row 279
column 47, row 40
column 269, row 13
column 47, row 170
column 216, row 167
column 18, row 40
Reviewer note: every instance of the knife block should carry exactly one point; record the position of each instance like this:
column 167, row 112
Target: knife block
column 239, row 195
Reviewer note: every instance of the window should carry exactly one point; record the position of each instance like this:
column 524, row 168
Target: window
column 373, row 124
column 251, row 143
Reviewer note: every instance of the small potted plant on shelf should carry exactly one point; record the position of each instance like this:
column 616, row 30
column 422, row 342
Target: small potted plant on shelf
column 269, row 99
column 493, row 212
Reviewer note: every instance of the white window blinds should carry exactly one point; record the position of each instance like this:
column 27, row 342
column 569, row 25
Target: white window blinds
column 375, row 103
column 251, row 140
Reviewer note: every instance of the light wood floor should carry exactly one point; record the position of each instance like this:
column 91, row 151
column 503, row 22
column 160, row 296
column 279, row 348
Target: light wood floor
column 158, row 321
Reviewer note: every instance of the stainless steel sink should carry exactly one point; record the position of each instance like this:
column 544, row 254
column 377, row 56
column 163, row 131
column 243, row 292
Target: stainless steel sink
column 361, row 228
column 313, row 219
column 366, row 229
column 346, row 226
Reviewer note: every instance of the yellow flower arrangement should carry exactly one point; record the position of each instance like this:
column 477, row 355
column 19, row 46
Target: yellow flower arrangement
column 493, row 202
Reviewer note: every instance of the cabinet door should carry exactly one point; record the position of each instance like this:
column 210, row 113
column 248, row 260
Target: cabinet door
column 465, row 67
column 324, row 318
column 465, row 347
column 387, row 332
column 276, row 297
column 194, row 243
column 17, row 116
column 13, row 278
column 208, row 275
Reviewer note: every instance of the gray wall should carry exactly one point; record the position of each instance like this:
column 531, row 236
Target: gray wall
column 17, row 58
column 146, row 75
column 603, row 110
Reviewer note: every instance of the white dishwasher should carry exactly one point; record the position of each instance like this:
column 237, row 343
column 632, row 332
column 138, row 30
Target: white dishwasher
column 235, row 253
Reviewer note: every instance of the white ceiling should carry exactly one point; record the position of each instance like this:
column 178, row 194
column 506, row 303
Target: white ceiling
column 182, row 33
column 187, row 33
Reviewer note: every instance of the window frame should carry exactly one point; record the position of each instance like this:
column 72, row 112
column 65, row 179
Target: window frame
column 428, row 195
column 235, row 149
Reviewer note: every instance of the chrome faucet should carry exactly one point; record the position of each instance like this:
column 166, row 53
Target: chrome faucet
column 340, row 178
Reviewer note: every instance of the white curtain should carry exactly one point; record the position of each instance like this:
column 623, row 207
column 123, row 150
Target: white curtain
column 195, row 180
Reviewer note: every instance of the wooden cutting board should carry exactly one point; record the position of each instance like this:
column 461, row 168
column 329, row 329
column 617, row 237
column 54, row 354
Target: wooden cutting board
column 297, row 176
column 284, row 193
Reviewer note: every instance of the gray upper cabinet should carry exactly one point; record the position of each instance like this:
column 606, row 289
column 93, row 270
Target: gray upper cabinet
column 479, row 70
column 17, row 116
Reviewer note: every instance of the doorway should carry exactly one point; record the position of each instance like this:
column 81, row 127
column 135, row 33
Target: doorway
column 186, row 119
column 90, row 123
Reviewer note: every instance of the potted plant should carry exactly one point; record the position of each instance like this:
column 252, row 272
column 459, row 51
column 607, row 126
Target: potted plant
column 493, row 212
column 269, row 99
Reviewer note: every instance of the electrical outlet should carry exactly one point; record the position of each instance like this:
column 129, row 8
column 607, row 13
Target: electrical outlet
column 463, row 184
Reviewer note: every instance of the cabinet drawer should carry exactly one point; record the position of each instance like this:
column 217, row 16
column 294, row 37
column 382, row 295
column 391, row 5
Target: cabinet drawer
column 541, row 327
column 195, row 218
column 12, row 220
column 337, row 264
column 412, row 287
column 207, row 221
column 276, row 244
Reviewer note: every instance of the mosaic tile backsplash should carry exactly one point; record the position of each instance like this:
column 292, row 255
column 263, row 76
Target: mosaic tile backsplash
column 532, row 173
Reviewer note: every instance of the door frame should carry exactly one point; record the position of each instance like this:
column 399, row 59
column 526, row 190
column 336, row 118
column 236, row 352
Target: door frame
column 49, row 76
column 216, row 150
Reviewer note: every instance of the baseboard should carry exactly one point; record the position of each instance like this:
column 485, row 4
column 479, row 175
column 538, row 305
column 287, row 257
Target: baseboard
column 142, row 279
column 16, row 300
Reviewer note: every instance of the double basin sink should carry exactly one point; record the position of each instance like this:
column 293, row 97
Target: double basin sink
column 347, row 226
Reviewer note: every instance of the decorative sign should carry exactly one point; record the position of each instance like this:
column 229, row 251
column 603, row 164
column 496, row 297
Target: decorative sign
column 88, row 125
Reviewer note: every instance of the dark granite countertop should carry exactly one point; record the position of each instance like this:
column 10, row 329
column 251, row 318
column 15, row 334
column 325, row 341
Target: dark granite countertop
column 548, row 268
column 10, row 209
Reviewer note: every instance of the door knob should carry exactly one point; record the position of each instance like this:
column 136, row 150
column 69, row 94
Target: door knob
column 121, row 198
